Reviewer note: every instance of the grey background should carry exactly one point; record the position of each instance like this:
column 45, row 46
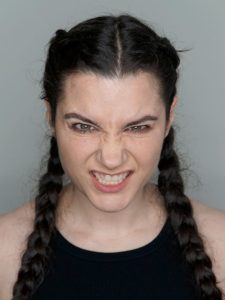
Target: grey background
column 25, row 29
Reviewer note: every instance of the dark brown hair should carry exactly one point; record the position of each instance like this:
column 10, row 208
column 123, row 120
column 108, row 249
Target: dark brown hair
column 113, row 46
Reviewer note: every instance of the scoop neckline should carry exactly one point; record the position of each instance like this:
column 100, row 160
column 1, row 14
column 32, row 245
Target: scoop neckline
column 86, row 254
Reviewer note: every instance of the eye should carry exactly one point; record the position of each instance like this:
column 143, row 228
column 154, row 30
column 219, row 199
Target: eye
column 138, row 129
column 82, row 128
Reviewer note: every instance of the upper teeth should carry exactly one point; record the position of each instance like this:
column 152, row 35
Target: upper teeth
column 108, row 178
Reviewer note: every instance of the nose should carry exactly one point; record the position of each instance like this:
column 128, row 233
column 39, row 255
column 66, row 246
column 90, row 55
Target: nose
column 112, row 152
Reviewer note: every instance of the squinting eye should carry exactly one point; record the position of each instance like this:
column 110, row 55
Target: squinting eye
column 139, row 129
column 82, row 128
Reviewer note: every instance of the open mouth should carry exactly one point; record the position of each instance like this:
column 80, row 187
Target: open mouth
column 110, row 183
column 107, row 179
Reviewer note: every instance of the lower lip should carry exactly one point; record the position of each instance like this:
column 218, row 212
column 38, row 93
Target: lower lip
column 106, row 188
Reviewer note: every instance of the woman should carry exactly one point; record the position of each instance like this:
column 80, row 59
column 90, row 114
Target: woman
column 109, row 232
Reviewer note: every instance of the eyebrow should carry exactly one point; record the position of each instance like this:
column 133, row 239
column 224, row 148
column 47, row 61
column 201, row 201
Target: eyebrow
column 85, row 119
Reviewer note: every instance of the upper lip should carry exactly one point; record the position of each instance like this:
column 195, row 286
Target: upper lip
column 103, row 173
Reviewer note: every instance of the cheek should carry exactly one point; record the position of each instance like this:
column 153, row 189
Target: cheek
column 147, row 151
column 73, row 152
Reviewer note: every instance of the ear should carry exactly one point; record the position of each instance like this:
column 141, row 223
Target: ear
column 48, row 115
column 171, row 116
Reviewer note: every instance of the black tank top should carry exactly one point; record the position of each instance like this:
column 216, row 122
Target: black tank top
column 153, row 271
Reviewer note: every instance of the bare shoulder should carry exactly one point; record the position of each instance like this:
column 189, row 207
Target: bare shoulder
column 16, row 224
column 210, row 220
column 211, row 226
column 15, row 227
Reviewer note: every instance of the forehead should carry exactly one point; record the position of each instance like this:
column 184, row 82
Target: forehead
column 96, row 94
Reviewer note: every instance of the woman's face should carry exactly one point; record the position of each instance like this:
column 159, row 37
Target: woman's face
column 107, row 127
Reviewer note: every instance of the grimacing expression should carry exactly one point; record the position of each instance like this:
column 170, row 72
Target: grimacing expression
column 110, row 125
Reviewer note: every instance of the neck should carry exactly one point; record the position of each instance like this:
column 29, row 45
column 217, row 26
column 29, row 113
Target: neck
column 75, row 213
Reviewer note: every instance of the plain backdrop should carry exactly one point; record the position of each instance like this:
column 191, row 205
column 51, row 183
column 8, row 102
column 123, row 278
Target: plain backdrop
column 25, row 29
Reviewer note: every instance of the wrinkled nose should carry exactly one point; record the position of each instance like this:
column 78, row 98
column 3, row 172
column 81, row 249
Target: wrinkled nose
column 112, row 153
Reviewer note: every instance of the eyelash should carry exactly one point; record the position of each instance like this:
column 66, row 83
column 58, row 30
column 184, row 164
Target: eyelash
column 143, row 128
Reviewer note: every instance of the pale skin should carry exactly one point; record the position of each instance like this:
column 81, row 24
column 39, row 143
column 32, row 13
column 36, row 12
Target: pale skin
column 108, row 222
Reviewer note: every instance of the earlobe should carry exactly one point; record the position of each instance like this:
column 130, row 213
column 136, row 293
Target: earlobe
column 48, row 115
column 171, row 116
column 48, row 112
column 172, row 110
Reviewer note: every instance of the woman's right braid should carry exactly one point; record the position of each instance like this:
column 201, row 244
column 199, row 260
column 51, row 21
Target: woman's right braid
column 36, row 257
column 180, row 212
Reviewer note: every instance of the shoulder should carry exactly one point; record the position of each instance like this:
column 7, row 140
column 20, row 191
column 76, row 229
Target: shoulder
column 16, row 224
column 15, row 227
column 211, row 226
column 210, row 222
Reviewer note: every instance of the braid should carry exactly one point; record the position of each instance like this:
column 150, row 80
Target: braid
column 37, row 255
column 180, row 212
